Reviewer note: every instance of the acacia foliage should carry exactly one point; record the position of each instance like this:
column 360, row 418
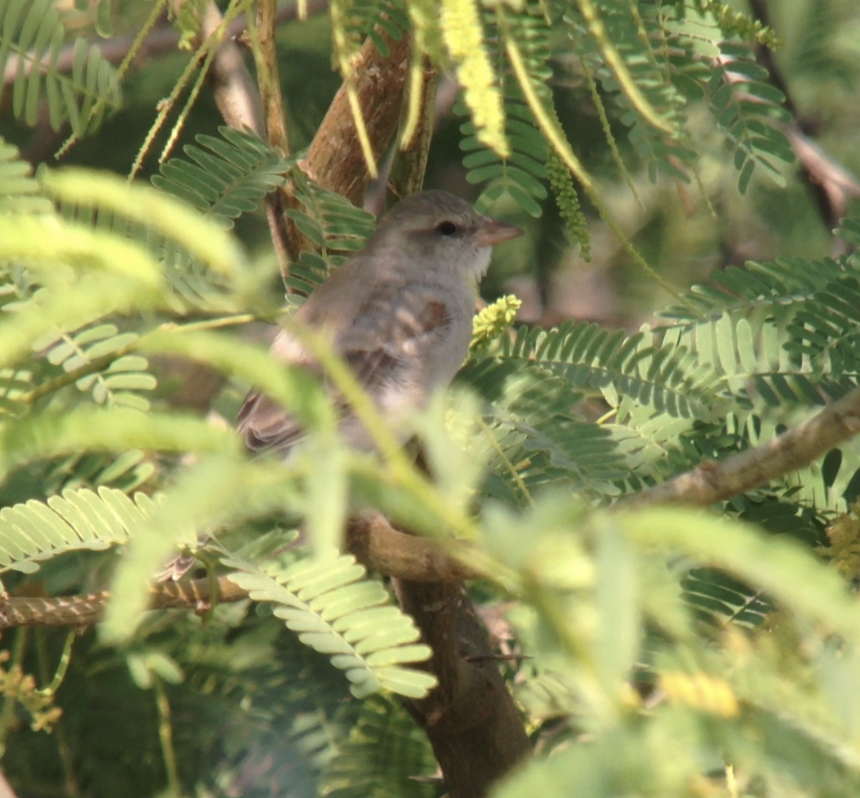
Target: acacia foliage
column 668, row 652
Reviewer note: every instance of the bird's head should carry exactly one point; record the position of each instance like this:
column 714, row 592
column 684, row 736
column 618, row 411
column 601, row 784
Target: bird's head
column 438, row 228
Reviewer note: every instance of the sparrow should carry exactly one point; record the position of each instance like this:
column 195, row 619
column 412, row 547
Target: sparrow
column 399, row 313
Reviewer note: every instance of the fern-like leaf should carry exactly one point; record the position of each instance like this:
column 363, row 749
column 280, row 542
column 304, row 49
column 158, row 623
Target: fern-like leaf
column 463, row 34
column 187, row 19
column 519, row 171
column 536, row 435
column 357, row 19
column 189, row 273
column 828, row 336
column 333, row 224
column 337, row 611
column 33, row 31
column 628, row 53
column 14, row 383
column 520, row 175
column 734, row 326
column 225, row 177
column 589, row 356
column 774, row 285
column 384, row 753
column 19, row 191
column 716, row 597
column 116, row 376
column 127, row 472
column 77, row 520
column 734, row 23
column 746, row 107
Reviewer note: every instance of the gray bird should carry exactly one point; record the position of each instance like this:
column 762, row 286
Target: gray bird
column 399, row 313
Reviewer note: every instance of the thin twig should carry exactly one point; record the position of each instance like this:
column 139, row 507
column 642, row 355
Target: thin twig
column 232, row 86
column 410, row 162
column 161, row 41
column 831, row 184
column 165, row 736
column 266, row 58
column 374, row 542
column 275, row 127
column 241, row 105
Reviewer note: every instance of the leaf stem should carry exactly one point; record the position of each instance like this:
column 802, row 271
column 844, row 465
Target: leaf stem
column 62, row 667
column 619, row 68
column 165, row 736
column 100, row 363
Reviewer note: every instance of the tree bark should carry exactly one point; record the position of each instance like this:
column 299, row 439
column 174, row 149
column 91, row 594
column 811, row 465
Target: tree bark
column 334, row 158
column 470, row 718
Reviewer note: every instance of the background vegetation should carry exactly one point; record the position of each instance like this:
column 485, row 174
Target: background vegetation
column 644, row 488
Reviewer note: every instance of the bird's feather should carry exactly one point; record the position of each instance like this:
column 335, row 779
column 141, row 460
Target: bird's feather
column 381, row 349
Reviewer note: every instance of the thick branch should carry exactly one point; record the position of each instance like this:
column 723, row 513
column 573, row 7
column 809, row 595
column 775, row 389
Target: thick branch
column 714, row 481
column 470, row 717
column 380, row 547
column 334, row 158
column 471, row 720
column 444, row 94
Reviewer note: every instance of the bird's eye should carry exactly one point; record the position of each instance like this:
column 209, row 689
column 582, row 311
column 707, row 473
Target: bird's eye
column 446, row 228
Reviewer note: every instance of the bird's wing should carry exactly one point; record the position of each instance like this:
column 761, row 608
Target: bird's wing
column 391, row 330
column 266, row 426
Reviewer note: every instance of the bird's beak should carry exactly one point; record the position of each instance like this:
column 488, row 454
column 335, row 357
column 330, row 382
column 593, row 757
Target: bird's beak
column 492, row 232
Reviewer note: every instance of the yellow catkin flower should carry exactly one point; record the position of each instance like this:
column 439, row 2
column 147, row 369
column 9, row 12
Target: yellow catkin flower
column 493, row 320
column 701, row 692
column 464, row 37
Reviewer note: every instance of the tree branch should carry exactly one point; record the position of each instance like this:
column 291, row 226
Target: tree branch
column 831, row 185
column 160, row 41
column 410, row 162
column 380, row 547
column 241, row 105
column 334, row 158
column 6, row 790
column 371, row 539
column 470, row 718
column 274, row 130
column 714, row 481
column 270, row 84
column 87, row 610
column 232, row 86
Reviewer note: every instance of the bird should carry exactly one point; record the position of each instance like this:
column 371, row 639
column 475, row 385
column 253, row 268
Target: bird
column 398, row 312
